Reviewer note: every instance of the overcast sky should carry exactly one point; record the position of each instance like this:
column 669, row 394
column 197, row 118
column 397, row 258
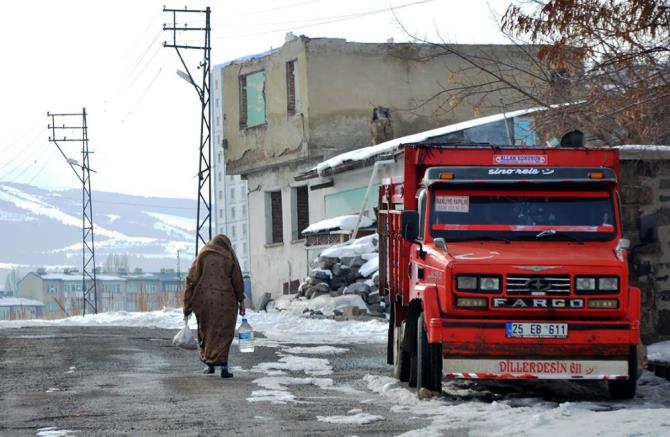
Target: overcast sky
column 62, row 55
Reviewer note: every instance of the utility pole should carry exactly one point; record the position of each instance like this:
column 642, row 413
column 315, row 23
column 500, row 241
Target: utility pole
column 79, row 133
column 204, row 217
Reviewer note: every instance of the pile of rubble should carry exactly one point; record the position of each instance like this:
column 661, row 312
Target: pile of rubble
column 347, row 269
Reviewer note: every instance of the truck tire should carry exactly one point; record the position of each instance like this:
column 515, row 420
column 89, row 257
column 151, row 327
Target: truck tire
column 428, row 361
column 401, row 360
column 626, row 388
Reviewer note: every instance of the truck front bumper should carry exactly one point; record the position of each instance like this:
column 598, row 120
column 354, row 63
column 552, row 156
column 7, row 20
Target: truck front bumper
column 480, row 348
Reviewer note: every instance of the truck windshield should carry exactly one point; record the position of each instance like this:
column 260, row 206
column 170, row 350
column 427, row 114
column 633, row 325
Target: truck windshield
column 586, row 214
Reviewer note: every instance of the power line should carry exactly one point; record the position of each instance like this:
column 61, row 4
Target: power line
column 39, row 172
column 146, row 90
column 138, row 62
column 327, row 20
column 22, row 151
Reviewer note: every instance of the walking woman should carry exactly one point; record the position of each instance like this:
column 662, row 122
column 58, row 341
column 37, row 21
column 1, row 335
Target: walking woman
column 215, row 293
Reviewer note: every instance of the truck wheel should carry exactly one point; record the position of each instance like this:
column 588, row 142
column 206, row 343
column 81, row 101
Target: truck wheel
column 428, row 361
column 625, row 388
column 401, row 358
column 390, row 342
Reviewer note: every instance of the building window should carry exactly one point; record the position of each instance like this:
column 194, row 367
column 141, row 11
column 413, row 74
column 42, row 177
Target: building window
column 244, row 229
column 300, row 211
column 243, row 191
column 232, row 194
column 220, row 213
column 233, row 231
column 252, row 99
column 244, row 211
column 273, row 217
column 290, row 87
column 232, row 213
column 218, row 176
column 244, row 247
column 220, row 194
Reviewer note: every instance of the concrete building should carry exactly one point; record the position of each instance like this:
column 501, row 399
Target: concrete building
column 61, row 293
column 18, row 308
column 229, row 192
column 288, row 109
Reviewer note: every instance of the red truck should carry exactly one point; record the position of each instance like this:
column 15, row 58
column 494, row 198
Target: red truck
column 508, row 263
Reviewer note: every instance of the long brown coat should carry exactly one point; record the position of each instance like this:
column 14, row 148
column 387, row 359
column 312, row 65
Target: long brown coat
column 214, row 287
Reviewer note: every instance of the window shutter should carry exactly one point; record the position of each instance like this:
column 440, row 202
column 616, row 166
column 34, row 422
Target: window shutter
column 290, row 87
column 243, row 102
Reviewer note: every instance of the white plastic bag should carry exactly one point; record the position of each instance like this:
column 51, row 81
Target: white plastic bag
column 185, row 338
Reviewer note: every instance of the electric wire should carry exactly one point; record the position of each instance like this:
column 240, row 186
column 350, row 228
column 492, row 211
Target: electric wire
column 22, row 152
column 39, row 172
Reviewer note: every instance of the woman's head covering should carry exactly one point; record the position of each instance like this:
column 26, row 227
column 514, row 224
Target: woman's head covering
column 221, row 245
column 221, row 241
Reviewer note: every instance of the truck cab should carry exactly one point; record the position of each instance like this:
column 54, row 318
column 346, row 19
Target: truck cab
column 508, row 263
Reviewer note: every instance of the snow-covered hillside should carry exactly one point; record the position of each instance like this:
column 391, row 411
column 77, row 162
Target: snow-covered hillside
column 41, row 227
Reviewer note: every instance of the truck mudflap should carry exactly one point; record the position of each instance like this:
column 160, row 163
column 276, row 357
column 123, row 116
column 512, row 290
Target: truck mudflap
column 530, row 368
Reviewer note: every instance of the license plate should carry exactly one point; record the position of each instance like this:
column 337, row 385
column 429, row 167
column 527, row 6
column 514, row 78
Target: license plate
column 536, row 330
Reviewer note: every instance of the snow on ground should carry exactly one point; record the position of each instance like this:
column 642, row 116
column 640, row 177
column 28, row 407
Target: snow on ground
column 353, row 417
column 648, row 414
column 278, row 327
column 659, row 351
column 325, row 304
column 315, row 350
column 294, row 363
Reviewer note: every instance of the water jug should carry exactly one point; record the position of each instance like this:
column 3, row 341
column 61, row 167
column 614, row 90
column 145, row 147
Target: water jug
column 246, row 337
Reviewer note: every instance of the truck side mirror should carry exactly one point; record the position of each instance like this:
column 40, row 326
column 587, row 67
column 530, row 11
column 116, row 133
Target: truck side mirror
column 409, row 223
column 648, row 228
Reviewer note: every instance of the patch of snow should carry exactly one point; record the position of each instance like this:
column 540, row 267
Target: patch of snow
column 344, row 223
column 294, row 363
column 357, row 247
column 275, row 388
column 659, row 351
column 315, row 350
column 370, row 267
column 325, row 304
column 358, row 418
column 53, row 431
column 648, row 414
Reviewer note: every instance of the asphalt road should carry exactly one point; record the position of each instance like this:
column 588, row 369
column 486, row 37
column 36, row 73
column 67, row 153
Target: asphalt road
column 132, row 381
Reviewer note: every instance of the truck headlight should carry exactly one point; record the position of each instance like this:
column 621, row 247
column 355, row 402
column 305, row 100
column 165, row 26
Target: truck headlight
column 471, row 302
column 466, row 283
column 584, row 283
column 608, row 283
column 488, row 283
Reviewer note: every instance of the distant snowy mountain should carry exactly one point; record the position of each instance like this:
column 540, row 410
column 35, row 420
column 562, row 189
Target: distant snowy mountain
column 41, row 227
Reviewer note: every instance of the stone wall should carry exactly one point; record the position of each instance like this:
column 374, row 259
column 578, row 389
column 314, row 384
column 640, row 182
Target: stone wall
column 645, row 177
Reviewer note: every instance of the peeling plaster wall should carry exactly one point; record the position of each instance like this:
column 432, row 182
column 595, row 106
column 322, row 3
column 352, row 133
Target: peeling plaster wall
column 646, row 190
column 339, row 84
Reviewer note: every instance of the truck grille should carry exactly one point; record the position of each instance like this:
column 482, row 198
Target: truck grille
column 538, row 284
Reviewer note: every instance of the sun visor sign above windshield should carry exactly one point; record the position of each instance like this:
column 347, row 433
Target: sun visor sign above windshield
column 508, row 174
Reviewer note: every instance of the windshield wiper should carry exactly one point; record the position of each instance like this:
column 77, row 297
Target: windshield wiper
column 553, row 233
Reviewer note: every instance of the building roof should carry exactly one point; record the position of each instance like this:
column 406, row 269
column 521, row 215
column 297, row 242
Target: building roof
column 366, row 155
column 19, row 301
